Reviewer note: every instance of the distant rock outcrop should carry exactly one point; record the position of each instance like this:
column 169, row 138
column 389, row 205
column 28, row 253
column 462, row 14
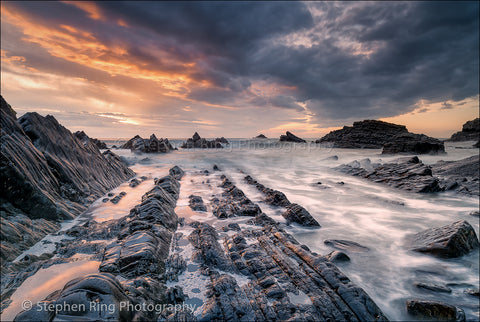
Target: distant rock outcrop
column 470, row 132
column 368, row 134
column 290, row 137
column 48, row 173
column 196, row 142
column 152, row 145
column 414, row 144
column 84, row 138
column 260, row 136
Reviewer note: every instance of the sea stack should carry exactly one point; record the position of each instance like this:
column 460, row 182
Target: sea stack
column 290, row 137
column 197, row 142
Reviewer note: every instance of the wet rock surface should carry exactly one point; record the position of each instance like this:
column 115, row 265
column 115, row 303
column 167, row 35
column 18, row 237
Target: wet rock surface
column 133, row 252
column 413, row 144
column 461, row 176
column 151, row 145
column 438, row 311
column 434, row 287
column 196, row 203
column 470, row 131
column 197, row 142
column 254, row 271
column 451, row 240
column 407, row 174
column 47, row 173
column 368, row 134
column 294, row 213
column 346, row 245
column 290, row 137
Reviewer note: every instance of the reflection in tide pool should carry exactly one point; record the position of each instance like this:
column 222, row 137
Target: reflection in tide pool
column 38, row 286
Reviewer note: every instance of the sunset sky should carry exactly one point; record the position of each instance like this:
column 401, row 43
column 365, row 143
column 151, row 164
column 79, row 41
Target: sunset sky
column 236, row 69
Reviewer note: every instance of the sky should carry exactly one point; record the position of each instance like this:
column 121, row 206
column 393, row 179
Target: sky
column 237, row 69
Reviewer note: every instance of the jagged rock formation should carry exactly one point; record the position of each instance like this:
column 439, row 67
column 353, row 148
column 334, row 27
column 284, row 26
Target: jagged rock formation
column 294, row 212
column 470, row 132
column 367, row 134
column 196, row 142
column 412, row 175
column 408, row 174
column 460, row 176
column 85, row 138
column 48, row 173
column 151, row 145
column 260, row 136
column 256, row 272
column 413, row 144
column 233, row 202
column 137, row 257
column 290, row 137
column 451, row 240
column 196, row 203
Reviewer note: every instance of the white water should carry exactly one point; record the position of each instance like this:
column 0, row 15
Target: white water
column 370, row 214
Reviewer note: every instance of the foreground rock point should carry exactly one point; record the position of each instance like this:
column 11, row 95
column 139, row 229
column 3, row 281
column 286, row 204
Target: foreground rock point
column 453, row 240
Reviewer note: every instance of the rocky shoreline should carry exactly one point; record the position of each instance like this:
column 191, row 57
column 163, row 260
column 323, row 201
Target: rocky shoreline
column 255, row 271
column 47, row 174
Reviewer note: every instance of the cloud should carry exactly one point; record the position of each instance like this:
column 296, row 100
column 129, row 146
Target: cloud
column 330, row 61
column 446, row 106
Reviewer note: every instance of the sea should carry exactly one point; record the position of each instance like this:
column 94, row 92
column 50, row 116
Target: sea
column 350, row 208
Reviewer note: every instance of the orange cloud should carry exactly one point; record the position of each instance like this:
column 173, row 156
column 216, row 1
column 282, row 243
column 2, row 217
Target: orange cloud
column 91, row 8
column 81, row 47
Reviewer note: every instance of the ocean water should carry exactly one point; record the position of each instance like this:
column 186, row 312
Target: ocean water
column 373, row 215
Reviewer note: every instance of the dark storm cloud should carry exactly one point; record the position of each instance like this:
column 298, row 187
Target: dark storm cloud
column 364, row 60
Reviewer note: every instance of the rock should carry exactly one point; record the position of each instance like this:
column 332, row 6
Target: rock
column 346, row 245
column 434, row 287
column 216, row 168
column 337, row 256
column 177, row 173
column 207, row 249
column 85, row 139
column 222, row 140
column 103, row 289
column 473, row 291
column 290, row 137
column 231, row 226
column 260, row 136
column 413, row 144
column 451, row 240
column 438, row 311
column 294, row 212
column 475, row 213
column 46, row 172
column 298, row 214
column 196, row 142
column 408, row 174
column 470, row 132
column 460, row 176
column 196, row 203
column 152, row 145
column 477, row 145
column 118, row 197
column 368, row 134
column 134, row 182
